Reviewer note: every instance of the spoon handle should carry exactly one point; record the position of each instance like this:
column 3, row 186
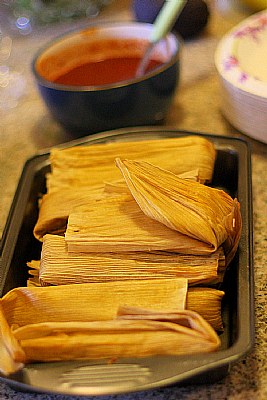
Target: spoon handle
column 161, row 26
column 166, row 18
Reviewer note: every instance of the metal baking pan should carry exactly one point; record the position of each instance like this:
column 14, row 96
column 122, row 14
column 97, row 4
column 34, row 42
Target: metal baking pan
column 233, row 174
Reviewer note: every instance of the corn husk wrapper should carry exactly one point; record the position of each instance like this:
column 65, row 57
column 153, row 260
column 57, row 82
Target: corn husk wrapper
column 208, row 303
column 12, row 356
column 55, row 207
column 117, row 224
column 94, row 164
column 59, row 267
column 135, row 333
column 88, row 302
column 198, row 211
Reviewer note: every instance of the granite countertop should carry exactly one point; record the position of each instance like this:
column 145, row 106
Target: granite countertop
column 28, row 128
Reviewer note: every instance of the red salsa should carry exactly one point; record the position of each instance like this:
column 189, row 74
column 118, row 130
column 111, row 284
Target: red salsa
column 104, row 72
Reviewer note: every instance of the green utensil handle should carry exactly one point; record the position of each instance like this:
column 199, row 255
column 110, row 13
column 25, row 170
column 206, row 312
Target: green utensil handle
column 166, row 19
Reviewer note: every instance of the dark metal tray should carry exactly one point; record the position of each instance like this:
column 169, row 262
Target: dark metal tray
column 233, row 174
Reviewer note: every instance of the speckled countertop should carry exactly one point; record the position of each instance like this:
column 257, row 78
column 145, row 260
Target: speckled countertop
column 28, row 129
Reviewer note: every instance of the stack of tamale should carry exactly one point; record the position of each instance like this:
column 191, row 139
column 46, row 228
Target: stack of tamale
column 80, row 174
column 103, row 320
column 133, row 242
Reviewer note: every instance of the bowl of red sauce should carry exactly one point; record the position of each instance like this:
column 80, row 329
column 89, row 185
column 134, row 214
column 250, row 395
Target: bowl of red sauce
column 88, row 80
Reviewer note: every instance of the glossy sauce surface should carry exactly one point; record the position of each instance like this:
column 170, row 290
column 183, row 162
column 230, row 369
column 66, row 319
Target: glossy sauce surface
column 104, row 72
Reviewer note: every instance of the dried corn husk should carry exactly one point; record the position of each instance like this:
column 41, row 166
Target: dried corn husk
column 117, row 224
column 12, row 356
column 201, row 212
column 191, row 319
column 135, row 333
column 208, row 303
column 94, row 164
column 59, row 267
column 55, row 207
column 88, row 302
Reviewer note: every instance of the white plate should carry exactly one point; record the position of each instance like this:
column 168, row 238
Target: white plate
column 241, row 61
column 241, row 56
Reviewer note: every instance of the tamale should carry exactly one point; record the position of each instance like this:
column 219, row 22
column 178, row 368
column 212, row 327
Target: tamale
column 135, row 333
column 55, row 207
column 199, row 211
column 116, row 224
column 59, row 267
column 89, row 165
column 88, row 302
column 208, row 303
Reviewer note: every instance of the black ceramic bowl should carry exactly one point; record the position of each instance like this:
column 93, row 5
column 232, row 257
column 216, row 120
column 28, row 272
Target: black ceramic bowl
column 136, row 101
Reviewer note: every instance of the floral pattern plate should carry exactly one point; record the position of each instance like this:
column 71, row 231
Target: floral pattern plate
column 241, row 61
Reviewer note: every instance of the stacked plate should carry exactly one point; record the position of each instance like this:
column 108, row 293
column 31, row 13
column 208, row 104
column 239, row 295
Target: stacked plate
column 241, row 61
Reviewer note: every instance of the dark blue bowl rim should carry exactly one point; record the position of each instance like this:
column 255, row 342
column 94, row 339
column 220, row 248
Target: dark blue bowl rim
column 71, row 88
